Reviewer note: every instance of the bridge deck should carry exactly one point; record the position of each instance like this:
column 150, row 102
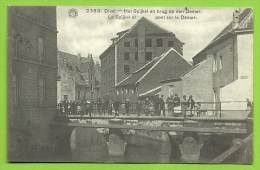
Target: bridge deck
column 154, row 118
column 153, row 128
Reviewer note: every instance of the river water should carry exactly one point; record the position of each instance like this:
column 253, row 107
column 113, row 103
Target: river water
column 89, row 146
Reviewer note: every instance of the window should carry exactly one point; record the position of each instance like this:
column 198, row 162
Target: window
column 15, row 42
column 15, row 90
column 126, row 91
column 42, row 91
column 127, row 44
column 148, row 56
column 126, row 69
column 148, row 42
column 170, row 43
column 136, row 56
column 127, row 56
column 220, row 62
column 214, row 62
column 65, row 97
column 122, row 91
column 117, row 92
column 159, row 42
column 41, row 49
column 136, row 42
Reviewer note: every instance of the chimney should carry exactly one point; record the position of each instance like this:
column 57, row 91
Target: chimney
column 235, row 22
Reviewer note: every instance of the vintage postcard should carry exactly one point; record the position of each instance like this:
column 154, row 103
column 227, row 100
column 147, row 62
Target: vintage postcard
column 130, row 84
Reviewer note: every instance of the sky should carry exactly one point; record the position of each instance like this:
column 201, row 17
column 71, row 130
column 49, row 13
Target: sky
column 92, row 32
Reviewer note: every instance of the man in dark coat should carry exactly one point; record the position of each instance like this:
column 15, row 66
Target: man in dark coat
column 99, row 105
column 156, row 103
column 116, row 106
column 162, row 105
column 127, row 107
column 191, row 103
column 138, row 107
column 170, row 105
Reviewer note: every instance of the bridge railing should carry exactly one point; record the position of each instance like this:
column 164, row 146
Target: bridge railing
column 237, row 144
column 199, row 109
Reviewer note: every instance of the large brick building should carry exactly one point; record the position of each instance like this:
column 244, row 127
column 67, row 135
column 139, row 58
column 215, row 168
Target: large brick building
column 132, row 49
column 32, row 89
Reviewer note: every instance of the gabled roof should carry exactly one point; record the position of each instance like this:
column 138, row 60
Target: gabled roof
column 82, row 63
column 193, row 68
column 171, row 80
column 71, row 60
column 128, row 31
column 138, row 75
column 246, row 12
column 229, row 28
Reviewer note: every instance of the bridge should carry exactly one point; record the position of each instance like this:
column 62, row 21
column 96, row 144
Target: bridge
column 228, row 140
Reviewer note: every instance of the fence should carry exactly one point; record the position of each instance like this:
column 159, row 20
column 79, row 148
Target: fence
column 200, row 109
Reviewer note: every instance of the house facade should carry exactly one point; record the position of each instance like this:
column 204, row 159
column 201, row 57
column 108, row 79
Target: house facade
column 131, row 50
column 223, row 71
column 76, row 77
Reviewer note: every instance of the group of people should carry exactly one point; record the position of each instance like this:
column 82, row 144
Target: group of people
column 182, row 106
column 112, row 106
column 80, row 108
column 154, row 106
column 176, row 106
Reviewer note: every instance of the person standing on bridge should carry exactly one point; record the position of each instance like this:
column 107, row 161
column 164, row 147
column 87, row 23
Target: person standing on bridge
column 184, row 105
column 176, row 101
column 78, row 109
column 170, row 105
column 127, row 106
column 162, row 106
column 139, row 107
column 110, row 107
column 88, row 107
column 156, row 103
column 66, row 105
column 116, row 106
column 99, row 105
column 191, row 103
column 104, row 108
column 249, row 104
column 146, row 106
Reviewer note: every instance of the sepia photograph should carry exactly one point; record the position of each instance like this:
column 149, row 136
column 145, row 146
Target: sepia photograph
column 139, row 85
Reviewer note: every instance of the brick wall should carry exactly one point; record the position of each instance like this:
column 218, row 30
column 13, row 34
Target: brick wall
column 166, row 91
column 198, row 83
column 228, row 73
